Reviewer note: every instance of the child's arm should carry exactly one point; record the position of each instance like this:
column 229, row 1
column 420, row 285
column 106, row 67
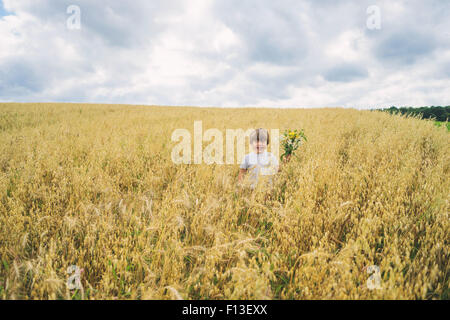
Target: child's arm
column 242, row 173
column 284, row 162
column 243, row 169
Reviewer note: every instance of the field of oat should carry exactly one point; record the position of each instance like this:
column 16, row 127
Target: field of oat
column 94, row 186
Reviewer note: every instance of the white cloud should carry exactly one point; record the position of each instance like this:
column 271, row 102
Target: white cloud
column 227, row 53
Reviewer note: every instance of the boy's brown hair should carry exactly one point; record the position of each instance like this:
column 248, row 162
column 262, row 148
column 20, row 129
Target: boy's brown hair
column 260, row 134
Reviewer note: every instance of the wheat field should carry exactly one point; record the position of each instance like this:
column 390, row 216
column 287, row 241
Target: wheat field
column 94, row 186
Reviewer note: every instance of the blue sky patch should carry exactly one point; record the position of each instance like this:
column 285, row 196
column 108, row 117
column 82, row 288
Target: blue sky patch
column 3, row 12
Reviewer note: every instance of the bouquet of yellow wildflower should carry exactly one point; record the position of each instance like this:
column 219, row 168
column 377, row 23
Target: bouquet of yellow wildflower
column 290, row 142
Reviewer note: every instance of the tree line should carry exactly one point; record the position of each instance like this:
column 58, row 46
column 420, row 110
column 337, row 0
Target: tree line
column 436, row 112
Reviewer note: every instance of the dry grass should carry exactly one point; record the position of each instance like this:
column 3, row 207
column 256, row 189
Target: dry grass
column 94, row 186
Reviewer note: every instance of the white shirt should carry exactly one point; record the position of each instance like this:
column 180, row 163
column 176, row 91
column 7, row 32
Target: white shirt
column 264, row 164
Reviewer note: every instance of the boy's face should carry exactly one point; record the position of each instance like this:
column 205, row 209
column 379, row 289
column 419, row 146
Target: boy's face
column 259, row 146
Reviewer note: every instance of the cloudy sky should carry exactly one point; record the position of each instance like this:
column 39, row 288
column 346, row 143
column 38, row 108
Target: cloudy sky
column 286, row 53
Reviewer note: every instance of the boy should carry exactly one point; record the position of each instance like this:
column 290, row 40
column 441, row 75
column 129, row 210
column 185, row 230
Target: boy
column 260, row 164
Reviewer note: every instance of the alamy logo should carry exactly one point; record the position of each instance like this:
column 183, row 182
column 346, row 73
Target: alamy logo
column 374, row 281
column 213, row 153
column 74, row 280
column 74, row 20
column 373, row 21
